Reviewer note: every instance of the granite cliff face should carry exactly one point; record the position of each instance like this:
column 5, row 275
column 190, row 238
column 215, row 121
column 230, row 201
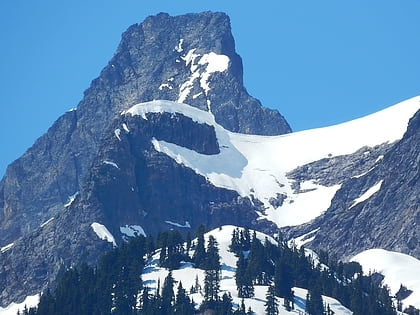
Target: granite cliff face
column 189, row 59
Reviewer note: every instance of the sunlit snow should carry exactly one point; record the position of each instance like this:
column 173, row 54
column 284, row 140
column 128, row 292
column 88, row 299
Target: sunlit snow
column 132, row 230
column 257, row 165
column 178, row 47
column 46, row 222
column 117, row 133
column 206, row 65
column 125, row 127
column 397, row 268
column 111, row 163
column 13, row 308
column 103, row 233
column 186, row 225
column 6, row 247
column 187, row 275
column 369, row 193
column 71, row 199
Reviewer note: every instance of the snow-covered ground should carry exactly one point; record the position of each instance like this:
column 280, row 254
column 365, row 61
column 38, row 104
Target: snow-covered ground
column 13, row 308
column 397, row 268
column 257, row 165
column 187, row 275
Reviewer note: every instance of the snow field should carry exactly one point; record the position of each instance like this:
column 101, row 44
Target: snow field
column 187, row 275
column 13, row 308
column 397, row 268
column 257, row 165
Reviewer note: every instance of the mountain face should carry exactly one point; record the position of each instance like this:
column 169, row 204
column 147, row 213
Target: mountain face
column 379, row 209
column 168, row 138
column 188, row 59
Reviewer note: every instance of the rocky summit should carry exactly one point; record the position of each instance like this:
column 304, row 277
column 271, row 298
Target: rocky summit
column 189, row 59
column 167, row 137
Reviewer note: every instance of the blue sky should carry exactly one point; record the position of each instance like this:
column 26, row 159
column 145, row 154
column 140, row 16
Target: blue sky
column 318, row 62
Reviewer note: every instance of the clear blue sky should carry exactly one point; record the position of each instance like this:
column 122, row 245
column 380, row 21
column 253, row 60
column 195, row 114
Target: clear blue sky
column 318, row 62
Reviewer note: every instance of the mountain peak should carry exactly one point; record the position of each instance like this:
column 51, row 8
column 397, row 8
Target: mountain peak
column 178, row 58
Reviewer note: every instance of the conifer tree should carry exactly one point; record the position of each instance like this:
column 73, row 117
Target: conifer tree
column 212, row 261
column 211, row 286
column 271, row 306
column 225, row 305
column 241, row 309
column 283, row 283
column 183, row 305
column 314, row 303
column 168, row 296
column 243, row 278
column 199, row 256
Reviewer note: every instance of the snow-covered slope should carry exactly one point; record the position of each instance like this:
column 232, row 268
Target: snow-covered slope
column 13, row 308
column 397, row 268
column 257, row 165
column 187, row 275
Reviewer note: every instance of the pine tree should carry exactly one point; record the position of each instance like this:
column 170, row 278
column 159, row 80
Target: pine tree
column 271, row 306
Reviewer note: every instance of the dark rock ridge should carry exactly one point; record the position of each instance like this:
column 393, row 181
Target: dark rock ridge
column 389, row 219
column 129, row 183
column 151, row 62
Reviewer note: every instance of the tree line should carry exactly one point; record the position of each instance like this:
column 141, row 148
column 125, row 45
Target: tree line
column 114, row 285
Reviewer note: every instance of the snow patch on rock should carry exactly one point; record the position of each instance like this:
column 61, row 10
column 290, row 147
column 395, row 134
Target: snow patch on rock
column 186, row 225
column 72, row 198
column 132, row 230
column 103, row 233
column 368, row 193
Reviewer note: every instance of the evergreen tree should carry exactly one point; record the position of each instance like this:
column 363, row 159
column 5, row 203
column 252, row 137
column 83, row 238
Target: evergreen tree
column 235, row 244
column 196, row 287
column 283, row 283
column 183, row 305
column 211, row 286
column 257, row 266
column 199, row 256
column 212, row 274
column 314, row 303
column 245, row 238
column 271, row 306
column 168, row 296
column 212, row 261
column 225, row 305
column 147, row 305
column 241, row 309
column 243, row 278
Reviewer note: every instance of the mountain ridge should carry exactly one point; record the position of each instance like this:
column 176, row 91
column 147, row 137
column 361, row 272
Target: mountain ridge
column 189, row 153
